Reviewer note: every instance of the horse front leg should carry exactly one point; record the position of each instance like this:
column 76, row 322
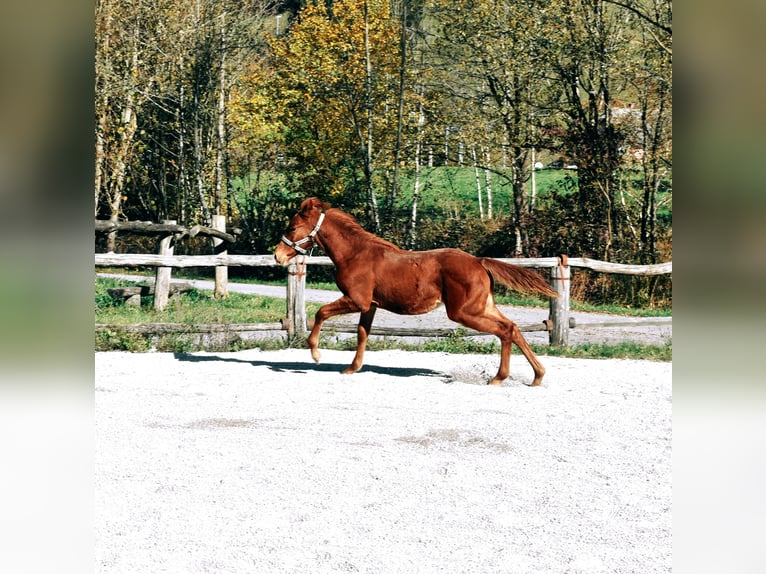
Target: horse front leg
column 362, row 333
column 338, row 307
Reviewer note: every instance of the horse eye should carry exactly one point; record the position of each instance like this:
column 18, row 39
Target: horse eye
column 290, row 229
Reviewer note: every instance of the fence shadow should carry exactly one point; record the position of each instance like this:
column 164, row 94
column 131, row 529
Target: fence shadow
column 309, row 366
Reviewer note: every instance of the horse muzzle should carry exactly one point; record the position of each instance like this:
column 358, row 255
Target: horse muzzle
column 282, row 255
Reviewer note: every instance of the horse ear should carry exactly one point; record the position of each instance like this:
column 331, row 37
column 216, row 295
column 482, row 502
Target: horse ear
column 311, row 204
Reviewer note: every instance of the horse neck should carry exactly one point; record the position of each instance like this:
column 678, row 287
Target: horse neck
column 342, row 240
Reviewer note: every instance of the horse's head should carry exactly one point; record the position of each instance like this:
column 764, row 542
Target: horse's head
column 301, row 233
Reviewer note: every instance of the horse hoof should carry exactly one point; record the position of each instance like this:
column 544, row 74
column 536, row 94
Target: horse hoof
column 316, row 355
column 495, row 382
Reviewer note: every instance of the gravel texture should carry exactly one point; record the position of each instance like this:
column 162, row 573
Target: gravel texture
column 261, row 461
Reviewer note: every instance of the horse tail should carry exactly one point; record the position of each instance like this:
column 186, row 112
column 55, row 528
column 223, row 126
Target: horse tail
column 518, row 278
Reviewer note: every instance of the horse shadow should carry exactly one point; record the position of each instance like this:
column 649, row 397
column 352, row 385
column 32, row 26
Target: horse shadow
column 306, row 367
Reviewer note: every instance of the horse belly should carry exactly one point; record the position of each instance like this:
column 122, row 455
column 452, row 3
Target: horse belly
column 407, row 289
column 408, row 308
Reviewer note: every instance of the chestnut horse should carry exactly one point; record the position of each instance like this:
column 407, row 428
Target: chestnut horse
column 372, row 273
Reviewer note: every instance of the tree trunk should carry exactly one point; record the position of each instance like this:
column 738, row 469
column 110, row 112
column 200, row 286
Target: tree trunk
column 416, row 189
column 478, row 182
column 520, row 207
column 400, row 111
column 220, row 176
column 533, row 179
column 199, row 161
column 99, row 159
column 117, row 180
column 653, row 175
column 128, row 125
column 183, row 184
column 488, row 182
column 104, row 79
column 368, row 150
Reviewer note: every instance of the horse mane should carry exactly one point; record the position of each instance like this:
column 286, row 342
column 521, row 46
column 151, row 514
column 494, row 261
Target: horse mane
column 351, row 228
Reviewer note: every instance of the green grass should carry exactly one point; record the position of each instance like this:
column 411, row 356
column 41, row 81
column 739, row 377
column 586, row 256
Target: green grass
column 453, row 189
column 199, row 307
column 627, row 350
column 195, row 306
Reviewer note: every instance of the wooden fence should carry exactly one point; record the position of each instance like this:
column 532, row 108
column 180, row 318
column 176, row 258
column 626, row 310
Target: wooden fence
column 558, row 323
column 169, row 233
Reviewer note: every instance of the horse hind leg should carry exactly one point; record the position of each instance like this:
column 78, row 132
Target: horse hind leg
column 362, row 333
column 505, row 361
column 522, row 344
column 494, row 322
column 512, row 335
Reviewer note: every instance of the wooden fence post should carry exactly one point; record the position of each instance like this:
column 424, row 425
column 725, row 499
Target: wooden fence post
column 296, row 296
column 162, row 282
column 221, row 271
column 558, row 336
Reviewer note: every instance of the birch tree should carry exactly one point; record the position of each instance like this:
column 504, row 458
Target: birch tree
column 497, row 74
column 119, row 25
column 333, row 74
column 653, row 85
column 164, row 74
column 589, row 52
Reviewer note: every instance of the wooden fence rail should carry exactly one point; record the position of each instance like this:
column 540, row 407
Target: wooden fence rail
column 166, row 228
column 558, row 323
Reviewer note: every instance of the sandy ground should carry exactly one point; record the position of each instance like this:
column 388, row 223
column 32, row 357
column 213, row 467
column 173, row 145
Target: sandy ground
column 261, row 461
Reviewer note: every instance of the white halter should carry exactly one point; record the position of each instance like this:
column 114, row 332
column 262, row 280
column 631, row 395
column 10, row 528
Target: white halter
column 310, row 237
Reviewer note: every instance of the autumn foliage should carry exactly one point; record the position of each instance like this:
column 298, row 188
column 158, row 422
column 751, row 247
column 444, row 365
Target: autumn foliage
column 423, row 118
